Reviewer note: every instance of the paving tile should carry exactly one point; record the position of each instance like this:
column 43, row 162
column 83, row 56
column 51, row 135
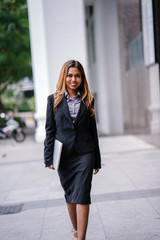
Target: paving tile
column 129, row 217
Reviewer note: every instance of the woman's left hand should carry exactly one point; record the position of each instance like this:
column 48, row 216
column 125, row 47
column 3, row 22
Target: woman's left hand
column 51, row 167
column 96, row 171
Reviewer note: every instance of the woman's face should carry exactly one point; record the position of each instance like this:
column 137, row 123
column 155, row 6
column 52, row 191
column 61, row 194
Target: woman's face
column 73, row 79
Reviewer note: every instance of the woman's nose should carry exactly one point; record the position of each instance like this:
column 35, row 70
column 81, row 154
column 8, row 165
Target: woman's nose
column 73, row 78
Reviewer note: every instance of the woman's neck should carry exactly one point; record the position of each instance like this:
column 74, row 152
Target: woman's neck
column 72, row 93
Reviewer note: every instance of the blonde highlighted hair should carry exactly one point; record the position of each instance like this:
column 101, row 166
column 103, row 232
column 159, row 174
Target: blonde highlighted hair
column 83, row 88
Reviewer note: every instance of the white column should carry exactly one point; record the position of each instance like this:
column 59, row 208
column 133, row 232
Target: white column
column 101, row 70
column 154, row 107
column 39, row 63
column 113, row 75
column 65, row 34
column 108, row 77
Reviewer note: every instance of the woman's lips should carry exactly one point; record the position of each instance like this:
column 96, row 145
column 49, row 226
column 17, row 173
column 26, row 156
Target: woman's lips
column 73, row 84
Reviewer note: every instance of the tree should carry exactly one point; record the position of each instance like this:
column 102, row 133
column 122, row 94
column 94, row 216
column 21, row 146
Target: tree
column 15, row 57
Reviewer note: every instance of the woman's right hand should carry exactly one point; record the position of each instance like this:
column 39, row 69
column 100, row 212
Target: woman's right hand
column 51, row 167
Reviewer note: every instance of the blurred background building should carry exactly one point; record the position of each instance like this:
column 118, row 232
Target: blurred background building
column 118, row 43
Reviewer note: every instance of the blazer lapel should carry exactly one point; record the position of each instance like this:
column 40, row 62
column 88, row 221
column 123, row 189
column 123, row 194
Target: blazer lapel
column 80, row 112
column 66, row 109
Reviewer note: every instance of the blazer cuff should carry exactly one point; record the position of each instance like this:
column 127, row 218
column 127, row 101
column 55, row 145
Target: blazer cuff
column 97, row 166
column 48, row 163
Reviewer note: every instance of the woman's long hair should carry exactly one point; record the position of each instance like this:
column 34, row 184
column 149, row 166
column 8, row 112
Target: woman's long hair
column 83, row 88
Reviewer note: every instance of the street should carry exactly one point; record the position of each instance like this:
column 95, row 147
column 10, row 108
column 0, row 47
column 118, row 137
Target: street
column 125, row 193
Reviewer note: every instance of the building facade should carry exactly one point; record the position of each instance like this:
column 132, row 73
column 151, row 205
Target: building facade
column 109, row 38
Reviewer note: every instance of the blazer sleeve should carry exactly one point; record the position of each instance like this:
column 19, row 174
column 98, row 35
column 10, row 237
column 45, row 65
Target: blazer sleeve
column 95, row 139
column 50, row 128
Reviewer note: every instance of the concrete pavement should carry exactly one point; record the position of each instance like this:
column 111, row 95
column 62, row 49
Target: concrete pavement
column 125, row 193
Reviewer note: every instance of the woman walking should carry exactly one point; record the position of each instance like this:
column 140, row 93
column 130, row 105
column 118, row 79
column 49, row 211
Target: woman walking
column 71, row 120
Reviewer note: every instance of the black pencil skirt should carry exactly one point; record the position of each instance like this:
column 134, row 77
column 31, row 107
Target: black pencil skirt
column 75, row 175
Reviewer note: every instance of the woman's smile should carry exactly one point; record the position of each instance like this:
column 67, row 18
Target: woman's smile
column 73, row 84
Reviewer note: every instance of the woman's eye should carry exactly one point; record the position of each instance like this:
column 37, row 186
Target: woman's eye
column 70, row 76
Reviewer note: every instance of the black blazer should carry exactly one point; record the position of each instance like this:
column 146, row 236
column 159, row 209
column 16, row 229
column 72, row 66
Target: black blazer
column 80, row 135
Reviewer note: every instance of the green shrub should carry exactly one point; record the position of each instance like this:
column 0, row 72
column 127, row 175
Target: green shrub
column 19, row 120
column 27, row 106
column 2, row 122
column 11, row 102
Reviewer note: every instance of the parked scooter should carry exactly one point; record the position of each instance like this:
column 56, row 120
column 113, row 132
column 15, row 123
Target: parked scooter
column 12, row 129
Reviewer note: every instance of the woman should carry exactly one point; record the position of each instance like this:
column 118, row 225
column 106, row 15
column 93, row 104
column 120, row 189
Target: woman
column 71, row 120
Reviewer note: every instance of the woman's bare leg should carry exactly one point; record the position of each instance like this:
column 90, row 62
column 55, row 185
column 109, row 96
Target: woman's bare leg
column 82, row 220
column 72, row 214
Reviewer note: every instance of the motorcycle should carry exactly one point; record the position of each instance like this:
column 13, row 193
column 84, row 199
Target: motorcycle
column 12, row 129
